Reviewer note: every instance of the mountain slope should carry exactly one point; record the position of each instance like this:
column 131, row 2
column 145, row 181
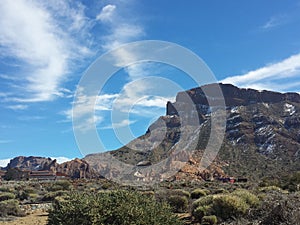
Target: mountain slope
column 262, row 136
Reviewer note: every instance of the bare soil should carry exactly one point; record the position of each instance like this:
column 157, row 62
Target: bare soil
column 37, row 218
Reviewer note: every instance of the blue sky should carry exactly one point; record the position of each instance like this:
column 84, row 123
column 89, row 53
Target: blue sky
column 46, row 47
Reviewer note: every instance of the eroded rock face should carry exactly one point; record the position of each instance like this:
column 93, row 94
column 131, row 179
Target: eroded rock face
column 30, row 163
column 76, row 168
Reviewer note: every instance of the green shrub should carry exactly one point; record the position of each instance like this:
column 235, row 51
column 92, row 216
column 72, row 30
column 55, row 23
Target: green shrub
column 197, row 193
column 207, row 200
column 6, row 196
column 62, row 185
column 221, row 191
column 50, row 196
column 270, row 189
column 110, row 208
column 178, row 203
column 5, row 189
column 10, row 208
column 247, row 196
column 30, row 190
column 292, row 182
column 209, row 220
column 224, row 206
column 22, row 195
column 228, row 206
column 180, row 192
column 201, row 211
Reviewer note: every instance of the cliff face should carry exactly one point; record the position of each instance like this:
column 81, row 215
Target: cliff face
column 77, row 168
column 233, row 96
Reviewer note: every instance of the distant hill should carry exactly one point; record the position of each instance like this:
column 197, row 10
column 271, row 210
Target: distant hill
column 76, row 168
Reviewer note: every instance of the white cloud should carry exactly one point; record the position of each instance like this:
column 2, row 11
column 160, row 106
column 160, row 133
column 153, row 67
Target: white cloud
column 116, row 125
column 61, row 159
column 122, row 30
column 279, row 76
column 106, row 13
column 4, row 162
column 135, row 97
column 33, row 33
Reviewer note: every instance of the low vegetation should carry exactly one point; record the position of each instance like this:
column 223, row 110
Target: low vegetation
column 111, row 207
column 103, row 202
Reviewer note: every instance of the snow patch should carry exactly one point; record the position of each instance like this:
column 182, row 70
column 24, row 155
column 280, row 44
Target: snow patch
column 234, row 109
column 289, row 108
column 266, row 105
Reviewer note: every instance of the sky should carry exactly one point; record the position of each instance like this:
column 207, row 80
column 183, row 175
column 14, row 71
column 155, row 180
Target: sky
column 47, row 46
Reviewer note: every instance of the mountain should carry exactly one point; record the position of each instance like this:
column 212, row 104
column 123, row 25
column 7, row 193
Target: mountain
column 30, row 163
column 76, row 168
column 262, row 138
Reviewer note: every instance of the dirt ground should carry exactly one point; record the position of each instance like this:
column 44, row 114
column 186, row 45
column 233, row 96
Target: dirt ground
column 37, row 218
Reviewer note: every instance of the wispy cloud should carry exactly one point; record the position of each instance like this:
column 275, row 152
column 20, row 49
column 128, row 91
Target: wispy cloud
column 17, row 107
column 276, row 21
column 122, row 29
column 123, row 123
column 5, row 141
column 45, row 44
column 281, row 76
column 30, row 118
column 135, row 98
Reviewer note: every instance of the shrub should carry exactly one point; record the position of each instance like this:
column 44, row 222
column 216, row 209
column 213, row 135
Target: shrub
column 10, row 208
column 22, row 195
column 50, row 196
column 292, row 183
column 62, row 185
column 207, row 200
column 209, row 220
column 247, row 196
column 224, row 206
column 5, row 189
column 197, row 193
column 221, row 191
column 30, row 190
column 113, row 208
column 270, row 189
column 201, row 211
column 6, row 196
column 228, row 206
column 180, row 192
column 178, row 203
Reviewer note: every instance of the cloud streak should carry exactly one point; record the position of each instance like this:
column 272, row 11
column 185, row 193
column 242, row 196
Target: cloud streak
column 282, row 75
column 43, row 45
